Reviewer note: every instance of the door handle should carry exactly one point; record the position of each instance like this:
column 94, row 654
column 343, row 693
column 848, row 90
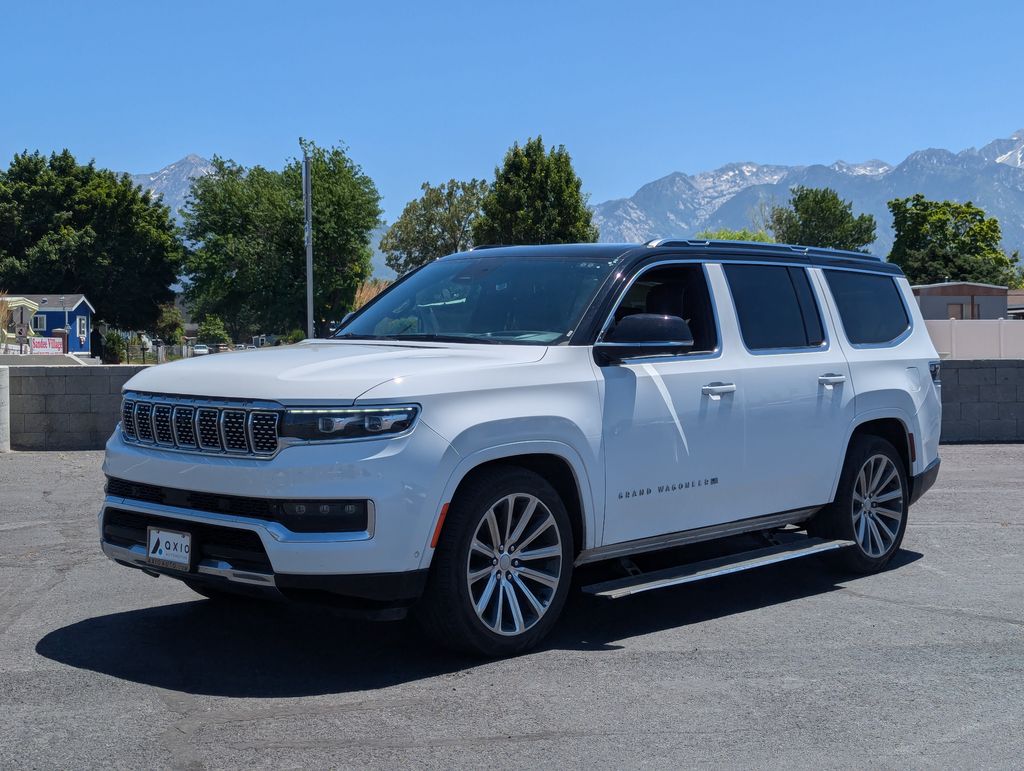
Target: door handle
column 715, row 390
column 830, row 379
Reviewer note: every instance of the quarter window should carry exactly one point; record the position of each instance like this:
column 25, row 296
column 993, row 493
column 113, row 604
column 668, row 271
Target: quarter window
column 674, row 290
column 775, row 307
column 869, row 305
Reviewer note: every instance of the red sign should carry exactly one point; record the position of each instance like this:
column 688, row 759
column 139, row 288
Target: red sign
column 47, row 345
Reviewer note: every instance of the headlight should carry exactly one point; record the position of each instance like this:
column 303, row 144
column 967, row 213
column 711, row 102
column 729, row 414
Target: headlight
column 332, row 424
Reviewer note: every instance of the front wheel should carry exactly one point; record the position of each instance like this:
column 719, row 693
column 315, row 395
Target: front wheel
column 870, row 507
column 502, row 570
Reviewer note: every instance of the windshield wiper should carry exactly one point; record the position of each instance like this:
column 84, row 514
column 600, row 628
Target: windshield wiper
column 444, row 338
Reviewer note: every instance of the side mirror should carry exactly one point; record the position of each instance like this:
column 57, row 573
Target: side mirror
column 645, row 334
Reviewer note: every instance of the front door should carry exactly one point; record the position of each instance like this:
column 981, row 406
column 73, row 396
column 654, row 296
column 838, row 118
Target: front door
column 673, row 426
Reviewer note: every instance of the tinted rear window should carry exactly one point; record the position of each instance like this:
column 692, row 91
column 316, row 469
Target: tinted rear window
column 775, row 306
column 869, row 305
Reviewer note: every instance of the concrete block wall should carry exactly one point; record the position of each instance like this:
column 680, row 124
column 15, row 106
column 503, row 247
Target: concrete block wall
column 65, row 408
column 983, row 400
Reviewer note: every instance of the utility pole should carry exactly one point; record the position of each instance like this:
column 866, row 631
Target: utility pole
column 307, row 198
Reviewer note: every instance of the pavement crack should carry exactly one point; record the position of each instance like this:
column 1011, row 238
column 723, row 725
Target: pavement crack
column 955, row 612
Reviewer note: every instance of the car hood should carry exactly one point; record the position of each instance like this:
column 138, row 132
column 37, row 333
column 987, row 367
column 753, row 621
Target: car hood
column 334, row 371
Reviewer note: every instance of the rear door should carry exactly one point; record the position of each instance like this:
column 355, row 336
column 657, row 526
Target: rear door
column 799, row 396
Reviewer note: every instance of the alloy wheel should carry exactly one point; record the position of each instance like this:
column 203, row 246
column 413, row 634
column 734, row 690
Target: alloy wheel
column 514, row 564
column 878, row 505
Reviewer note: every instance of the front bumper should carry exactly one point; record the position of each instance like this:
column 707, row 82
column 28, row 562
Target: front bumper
column 380, row 589
column 402, row 478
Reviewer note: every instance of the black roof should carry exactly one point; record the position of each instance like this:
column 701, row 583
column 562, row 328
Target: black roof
column 718, row 250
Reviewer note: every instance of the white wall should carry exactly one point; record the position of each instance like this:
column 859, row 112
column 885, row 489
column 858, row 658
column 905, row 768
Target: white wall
column 979, row 339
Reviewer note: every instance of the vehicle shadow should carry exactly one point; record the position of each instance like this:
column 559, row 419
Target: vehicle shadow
column 270, row 650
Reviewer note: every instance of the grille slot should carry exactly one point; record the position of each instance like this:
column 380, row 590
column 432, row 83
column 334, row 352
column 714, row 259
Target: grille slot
column 209, row 431
column 162, row 424
column 128, row 418
column 233, row 429
column 144, row 421
column 264, row 432
column 199, row 425
column 185, row 427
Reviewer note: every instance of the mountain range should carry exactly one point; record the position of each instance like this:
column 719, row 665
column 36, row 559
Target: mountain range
column 736, row 195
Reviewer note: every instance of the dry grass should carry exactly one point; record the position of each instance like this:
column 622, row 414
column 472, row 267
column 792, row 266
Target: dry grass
column 367, row 290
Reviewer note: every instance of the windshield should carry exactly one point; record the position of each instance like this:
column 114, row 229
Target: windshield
column 520, row 300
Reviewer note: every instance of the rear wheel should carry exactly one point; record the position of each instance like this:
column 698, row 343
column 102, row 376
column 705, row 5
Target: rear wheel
column 870, row 507
column 501, row 572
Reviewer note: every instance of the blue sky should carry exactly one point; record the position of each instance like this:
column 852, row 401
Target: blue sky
column 429, row 90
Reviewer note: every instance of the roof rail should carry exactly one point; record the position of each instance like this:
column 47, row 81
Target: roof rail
column 675, row 242
column 815, row 251
column 485, row 246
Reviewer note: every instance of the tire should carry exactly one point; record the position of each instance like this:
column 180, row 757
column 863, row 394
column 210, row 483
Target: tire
column 519, row 600
column 873, row 473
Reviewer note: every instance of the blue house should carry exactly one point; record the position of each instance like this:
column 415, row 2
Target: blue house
column 71, row 311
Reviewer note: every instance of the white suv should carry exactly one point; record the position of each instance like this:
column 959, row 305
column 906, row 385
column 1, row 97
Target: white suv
column 501, row 416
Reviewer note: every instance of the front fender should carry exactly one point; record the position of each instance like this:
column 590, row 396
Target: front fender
column 566, row 452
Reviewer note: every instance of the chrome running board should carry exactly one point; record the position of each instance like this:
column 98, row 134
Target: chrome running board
column 721, row 566
column 697, row 535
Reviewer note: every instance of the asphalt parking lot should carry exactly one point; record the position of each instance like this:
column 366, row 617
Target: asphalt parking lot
column 921, row 666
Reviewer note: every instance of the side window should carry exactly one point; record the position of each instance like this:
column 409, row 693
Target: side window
column 869, row 305
column 674, row 290
column 775, row 306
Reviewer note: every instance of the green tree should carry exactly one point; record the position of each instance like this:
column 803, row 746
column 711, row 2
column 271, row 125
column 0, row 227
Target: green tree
column 948, row 241
column 212, row 331
column 437, row 223
column 170, row 324
column 67, row 227
column 250, row 265
column 724, row 234
column 819, row 217
column 536, row 198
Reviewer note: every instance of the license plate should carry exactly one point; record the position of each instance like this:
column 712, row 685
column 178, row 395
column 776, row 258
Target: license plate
column 169, row 548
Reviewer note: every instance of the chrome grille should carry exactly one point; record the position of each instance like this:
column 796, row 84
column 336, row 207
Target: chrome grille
column 206, row 425
column 144, row 421
column 263, row 426
column 199, row 425
column 162, row 424
column 233, row 430
column 128, row 418
column 185, row 427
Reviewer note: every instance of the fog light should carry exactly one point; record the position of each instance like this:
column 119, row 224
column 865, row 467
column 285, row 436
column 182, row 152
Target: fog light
column 324, row 516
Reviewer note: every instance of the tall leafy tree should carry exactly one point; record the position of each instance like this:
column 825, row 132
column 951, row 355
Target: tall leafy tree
column 536, row 198
column 67, row 228
column 819, row 217
column 725, row 234
column 170, row 324
column 212, row 332
column 249, row 267
column 948, row 241
column 437, row 223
